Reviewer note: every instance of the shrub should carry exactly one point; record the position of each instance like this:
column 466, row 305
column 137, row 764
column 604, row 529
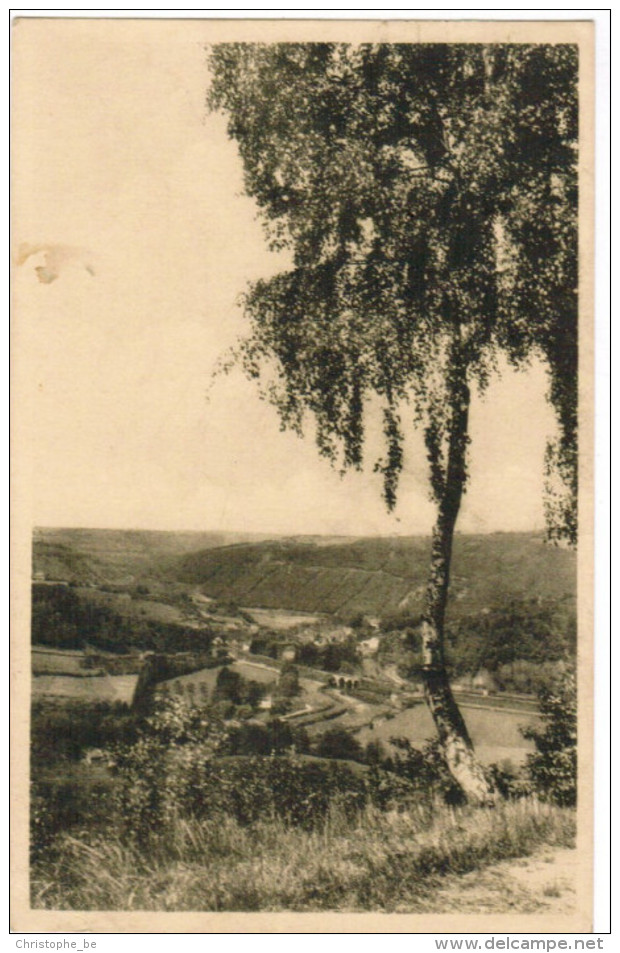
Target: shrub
column 231, row 686
column 247, row 738
column 185, row 765
column 265, row 645
column 427, row 770
column 553, row 769
column 300, row 792
column 58, row 805
column 339, row 743
column 61, row 732
column 153, row 773
column 276, row 737
column 401, row 621
column 228, row 686
column 288, row 684
column 374, row 753
column 357, row 622
column 510, row 781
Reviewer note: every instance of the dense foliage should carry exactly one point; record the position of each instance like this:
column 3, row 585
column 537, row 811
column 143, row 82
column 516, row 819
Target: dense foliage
column 553, row 768
column 339, row 743
column 231, row 686
column 427, row 195
column 63, row 731
column 179, row 770
column 529, row 630
column 180, row 760
column 64, row 619
column 522, row 644
column 185, row 763
column 254, row 739
column 330, row 656
column 288, row 685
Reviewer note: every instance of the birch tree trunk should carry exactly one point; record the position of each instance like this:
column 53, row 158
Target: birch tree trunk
column 451, row 727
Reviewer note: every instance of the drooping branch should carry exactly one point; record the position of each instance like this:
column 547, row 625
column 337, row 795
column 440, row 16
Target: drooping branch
column 388, row 171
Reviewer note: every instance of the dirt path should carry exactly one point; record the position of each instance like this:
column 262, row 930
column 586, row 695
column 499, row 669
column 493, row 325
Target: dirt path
column 542, row 883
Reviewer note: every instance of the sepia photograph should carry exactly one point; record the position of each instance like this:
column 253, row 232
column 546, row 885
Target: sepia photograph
column 303, row 534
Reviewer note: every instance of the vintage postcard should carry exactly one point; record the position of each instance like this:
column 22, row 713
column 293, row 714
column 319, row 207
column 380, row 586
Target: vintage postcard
column 302, row 470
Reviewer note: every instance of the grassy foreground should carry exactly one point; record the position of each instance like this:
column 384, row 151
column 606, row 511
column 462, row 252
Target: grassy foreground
column 379, row 861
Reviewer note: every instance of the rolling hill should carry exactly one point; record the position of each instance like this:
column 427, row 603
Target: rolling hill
column 340, row 576
column 117, row 557
column 382, row 575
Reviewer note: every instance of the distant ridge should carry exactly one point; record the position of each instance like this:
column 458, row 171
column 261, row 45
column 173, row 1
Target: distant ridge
column 380, row 575
column 340, row 575
column 118, row 556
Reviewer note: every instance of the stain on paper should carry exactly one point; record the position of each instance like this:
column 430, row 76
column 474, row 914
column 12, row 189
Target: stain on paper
column 55, row 258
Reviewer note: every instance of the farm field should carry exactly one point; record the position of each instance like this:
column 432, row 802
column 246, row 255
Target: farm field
column 281, row 619
column 140, row 609
column 357, row 715
column 203, row 682
column 256, row 671
column 208, row 676
column 47, row 661
column 506, row 702
column 378, row 575
column 262, row 673
column 494, row 732
column 96, row 688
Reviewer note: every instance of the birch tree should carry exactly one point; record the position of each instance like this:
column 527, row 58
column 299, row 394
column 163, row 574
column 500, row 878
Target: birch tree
column 427, row 197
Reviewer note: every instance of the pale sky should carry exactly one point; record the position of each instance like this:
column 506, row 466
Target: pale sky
column 133, row 241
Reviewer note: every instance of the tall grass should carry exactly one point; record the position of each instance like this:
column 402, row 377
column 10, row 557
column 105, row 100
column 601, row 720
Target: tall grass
column 375, row 861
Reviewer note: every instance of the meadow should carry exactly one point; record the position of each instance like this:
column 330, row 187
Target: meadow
column 374, row 861
column 495, row 733
column 208, row 676
column 281, row 619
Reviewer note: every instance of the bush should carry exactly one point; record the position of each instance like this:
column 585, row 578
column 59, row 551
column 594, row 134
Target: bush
column 553, row 769
column 358, row 622
column 58, row 805
column 266, row 645
column 281, row 706
column 427, row 770
column 184, row 765
column 249, row 789
column 61, row 732
column 339, row 743
column 153, row 773
column 231, row 686
column 276, row 737
column 375, row 753
column 402, row 621
column 288, row 684
column 510, row 781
